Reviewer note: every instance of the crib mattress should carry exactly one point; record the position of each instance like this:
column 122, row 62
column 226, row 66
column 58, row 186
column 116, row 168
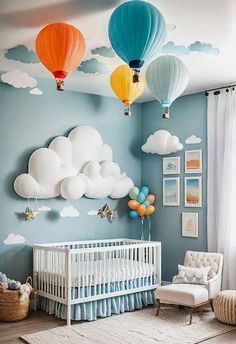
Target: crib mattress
column 99, row 272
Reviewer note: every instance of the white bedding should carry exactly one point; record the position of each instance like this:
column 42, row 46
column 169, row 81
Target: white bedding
column 99, row 272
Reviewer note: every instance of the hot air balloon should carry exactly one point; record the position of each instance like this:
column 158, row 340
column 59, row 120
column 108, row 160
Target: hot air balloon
column 121, row 81
column 167, row 77
column 60, row 47
column 137, row 30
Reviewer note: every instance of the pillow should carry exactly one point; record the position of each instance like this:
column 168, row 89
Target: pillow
column 191, row 275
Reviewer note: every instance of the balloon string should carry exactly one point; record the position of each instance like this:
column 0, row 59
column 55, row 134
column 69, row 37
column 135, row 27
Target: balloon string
column 149, row 228
column 142, row 232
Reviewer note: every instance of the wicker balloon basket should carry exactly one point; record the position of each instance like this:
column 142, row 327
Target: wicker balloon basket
column 11, row 309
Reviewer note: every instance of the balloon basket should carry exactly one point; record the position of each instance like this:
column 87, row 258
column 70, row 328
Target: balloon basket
column 127, row 111
column 166, row 114
column 60, row 84
column 136, row 76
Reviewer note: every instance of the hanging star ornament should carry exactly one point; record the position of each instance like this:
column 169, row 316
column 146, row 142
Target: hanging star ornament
column 107, row 212
column 30, row 214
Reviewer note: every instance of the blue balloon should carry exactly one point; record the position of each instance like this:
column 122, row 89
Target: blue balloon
column 133, row 214
column 137, row 30
column 145, row 190
column 146, row 203
column 141, row 197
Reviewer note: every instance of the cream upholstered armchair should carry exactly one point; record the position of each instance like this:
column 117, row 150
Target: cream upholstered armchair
column 194, row 295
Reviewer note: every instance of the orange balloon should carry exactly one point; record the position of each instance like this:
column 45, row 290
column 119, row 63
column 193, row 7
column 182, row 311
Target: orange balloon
column 151, row 198
column 60, row 47
column 150, row 210
column 133, row 204
column 141, row 209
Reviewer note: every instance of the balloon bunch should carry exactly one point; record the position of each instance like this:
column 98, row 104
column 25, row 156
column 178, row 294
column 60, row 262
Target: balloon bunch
column 141, row 203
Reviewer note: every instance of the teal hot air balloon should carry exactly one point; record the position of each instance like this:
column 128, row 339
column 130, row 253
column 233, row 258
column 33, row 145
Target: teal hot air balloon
column 137, row 30
column 167, row 77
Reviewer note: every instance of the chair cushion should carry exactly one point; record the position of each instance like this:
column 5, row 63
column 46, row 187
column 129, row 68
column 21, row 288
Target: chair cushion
column 191, row 275
column 182, row 294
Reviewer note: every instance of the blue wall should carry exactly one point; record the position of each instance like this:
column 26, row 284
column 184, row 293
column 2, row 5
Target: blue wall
column 29, row 122
column 187, row 117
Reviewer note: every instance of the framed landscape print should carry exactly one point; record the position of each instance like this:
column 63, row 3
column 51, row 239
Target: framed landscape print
column 193, row 192
column 190, row 225
column 171, row 165
column 171, row 191
column 193, row 161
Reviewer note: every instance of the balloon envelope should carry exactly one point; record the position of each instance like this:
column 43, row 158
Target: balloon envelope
column 146, row 203
column 133, row 204
column 141, row 197
column 141, row 209
column 133, row 192
column 151, row 198
column 144, row 189
column 150, row 210
column 133, row 214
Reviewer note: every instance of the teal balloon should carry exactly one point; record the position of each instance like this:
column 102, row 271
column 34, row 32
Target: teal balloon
column 146, row 203
column 133, row 214
column 145, row 190
column 133, row 193
column 141, row 197
column 167, row 77
column 137, row 30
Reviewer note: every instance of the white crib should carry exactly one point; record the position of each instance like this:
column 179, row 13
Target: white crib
column 82, row 271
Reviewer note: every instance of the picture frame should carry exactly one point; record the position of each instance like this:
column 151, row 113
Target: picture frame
column 193, row 161
column 171, row 191
column 190, row 225
column 193, row 192
column 171, row 165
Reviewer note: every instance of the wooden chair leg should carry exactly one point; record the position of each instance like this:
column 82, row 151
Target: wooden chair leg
column 211, row 303
column 158, row 307
column 191, row 316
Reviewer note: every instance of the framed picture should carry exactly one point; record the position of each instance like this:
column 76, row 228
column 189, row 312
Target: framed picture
column 193, row 192
column 171, row 191
column 171, row 165
column 190, row 225
column 193, row 161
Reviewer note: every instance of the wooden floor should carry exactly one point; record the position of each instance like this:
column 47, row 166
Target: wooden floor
column 39, row 321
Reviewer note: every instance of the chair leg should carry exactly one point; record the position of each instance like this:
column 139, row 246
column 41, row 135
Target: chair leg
column 211, row 303
column 191, row 316
column 158, row 307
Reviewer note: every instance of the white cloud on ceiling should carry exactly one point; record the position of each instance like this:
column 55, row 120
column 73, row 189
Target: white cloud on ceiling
column 44, row 208
column 162, row 142
column 69, row 211
column 73, row 166
column 36, row 91
column 92, row 212
column 18, row 79
column 14, row 239
column 192, row 140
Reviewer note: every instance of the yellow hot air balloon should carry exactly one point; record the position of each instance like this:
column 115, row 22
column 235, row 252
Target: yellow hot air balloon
column 121, row 81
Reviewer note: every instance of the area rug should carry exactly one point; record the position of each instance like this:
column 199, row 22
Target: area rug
column 139, row 327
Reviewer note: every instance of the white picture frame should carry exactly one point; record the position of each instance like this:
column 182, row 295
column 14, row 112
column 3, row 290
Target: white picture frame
column 171, row 192
column 171, row 165
column 190, row 225
column 193, row 161
column 193, row 192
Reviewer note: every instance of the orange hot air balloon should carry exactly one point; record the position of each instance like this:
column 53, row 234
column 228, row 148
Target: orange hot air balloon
column 60, row 47
column 133, row 204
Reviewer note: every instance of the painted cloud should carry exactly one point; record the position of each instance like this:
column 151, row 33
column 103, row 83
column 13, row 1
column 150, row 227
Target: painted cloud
column 92, row 212
column 36, row 91
column 103, row 51
column 192, row 140
column 206, row 48
column 73, row 166
column 69, row 211
column 18, row 79
column 21, row 53
column 44, row 208
column 162, row 142
column 14, row 239
column 93, row 66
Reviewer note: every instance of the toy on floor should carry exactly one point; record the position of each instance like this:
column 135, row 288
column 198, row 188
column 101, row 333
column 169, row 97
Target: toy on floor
column 11, row 284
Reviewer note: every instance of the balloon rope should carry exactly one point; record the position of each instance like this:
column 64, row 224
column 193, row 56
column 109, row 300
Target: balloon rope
column 142, row 229
column 28, row 203
column 149, row 228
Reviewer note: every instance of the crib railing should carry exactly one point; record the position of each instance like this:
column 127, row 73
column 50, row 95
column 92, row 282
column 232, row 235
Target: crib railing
column 83, row 271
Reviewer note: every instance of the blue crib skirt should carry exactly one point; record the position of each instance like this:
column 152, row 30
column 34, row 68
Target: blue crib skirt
column 102, row 308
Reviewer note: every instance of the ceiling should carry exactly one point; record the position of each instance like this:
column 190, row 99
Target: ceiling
column 211, row 63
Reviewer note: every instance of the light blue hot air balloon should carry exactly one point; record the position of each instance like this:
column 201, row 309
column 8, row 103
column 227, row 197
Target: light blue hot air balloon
column 137, row 30
column 167, row 77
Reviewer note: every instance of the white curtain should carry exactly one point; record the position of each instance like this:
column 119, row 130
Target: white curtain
column 221, row 200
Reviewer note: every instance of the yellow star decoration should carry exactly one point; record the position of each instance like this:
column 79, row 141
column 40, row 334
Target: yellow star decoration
column 29, row 214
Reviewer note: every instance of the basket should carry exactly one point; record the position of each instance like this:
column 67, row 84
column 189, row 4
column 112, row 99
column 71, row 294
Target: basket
column 11, row 309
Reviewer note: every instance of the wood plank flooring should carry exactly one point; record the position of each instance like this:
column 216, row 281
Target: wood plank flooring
column 39, row 321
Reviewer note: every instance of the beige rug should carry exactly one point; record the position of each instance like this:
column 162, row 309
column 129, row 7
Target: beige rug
column 139, row 327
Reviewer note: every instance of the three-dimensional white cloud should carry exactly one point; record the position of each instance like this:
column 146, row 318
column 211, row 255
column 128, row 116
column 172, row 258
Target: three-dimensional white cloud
column 14, row 239
column 162, row 142
column 192, row 140
column 36, row 91
column 73, row 166
column 44, row 208
column 18, row 79
column 69, row 211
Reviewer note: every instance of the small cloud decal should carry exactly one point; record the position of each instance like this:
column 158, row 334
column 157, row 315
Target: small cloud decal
column 18, row 79
column 44, row 208
column 21, row 53
column 36, row 91
column 162, row 142
column 92, row 212
column 202, row 47
column 192, row 140
column 69, row 211
column 103, row 51
column 93, row 66
column 14, row 239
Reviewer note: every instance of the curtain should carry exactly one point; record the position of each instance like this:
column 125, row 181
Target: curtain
column 221, row 203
